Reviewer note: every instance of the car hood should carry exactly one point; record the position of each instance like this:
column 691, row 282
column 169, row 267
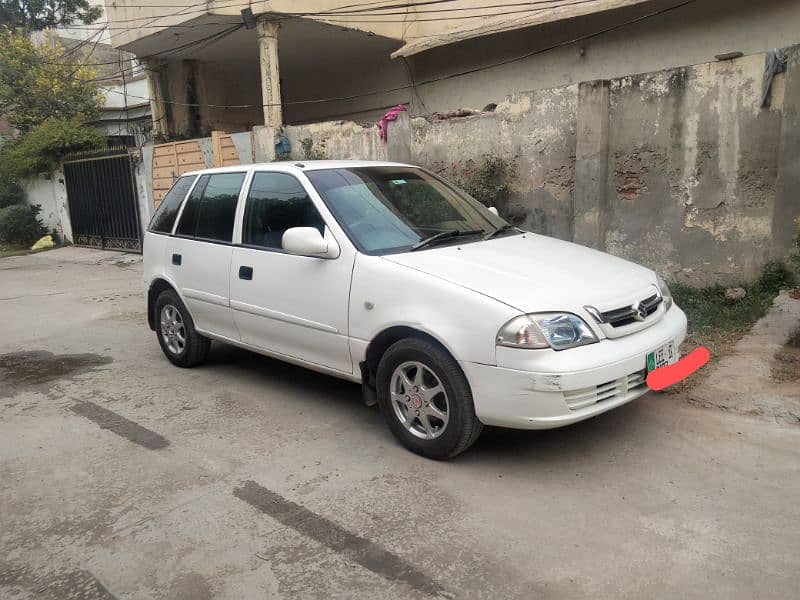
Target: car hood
column 533, row 273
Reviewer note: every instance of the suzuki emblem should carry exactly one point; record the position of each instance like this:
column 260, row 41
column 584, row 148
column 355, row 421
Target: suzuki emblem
column 639, row 312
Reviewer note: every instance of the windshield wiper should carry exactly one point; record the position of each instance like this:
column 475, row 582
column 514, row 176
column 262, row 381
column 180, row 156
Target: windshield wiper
column 443, row 235
column 501, row 229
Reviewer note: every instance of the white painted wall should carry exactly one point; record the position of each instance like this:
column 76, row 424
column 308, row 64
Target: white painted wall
column 50, row 194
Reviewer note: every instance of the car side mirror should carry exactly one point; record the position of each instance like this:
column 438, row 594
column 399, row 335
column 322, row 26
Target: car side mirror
column 493, row 209
column 308, row 241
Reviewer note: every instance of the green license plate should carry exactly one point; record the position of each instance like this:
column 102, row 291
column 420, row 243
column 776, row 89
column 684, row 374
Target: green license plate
column 661, row 357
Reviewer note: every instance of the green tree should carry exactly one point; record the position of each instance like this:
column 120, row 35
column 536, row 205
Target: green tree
column 40, row 150
column 36, row 84
column 35, row 15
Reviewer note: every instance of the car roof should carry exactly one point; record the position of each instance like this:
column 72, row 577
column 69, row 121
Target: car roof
column 294, row 166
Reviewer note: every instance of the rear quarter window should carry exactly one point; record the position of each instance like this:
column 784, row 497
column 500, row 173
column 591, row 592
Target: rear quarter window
column 167, row 211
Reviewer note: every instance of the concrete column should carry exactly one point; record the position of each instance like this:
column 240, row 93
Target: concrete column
column 787, row 189
column 270, row 72
column 264, row 143
column 590, row 208
column 157, row 105
column 398, row 145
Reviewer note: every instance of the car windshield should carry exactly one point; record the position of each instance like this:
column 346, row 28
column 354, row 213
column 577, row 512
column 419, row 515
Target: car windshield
column 387, row 209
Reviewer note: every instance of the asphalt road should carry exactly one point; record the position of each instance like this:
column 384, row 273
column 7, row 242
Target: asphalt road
column 125, row 477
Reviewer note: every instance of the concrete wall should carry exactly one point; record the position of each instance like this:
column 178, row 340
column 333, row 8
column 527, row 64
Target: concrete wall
column 681, row 169
column 534, row 133
column 354, row 73
column 226, row 84
column 677, row 169
column 692, row 168
column 340, row 140
column 693, row 34
column 50, row 194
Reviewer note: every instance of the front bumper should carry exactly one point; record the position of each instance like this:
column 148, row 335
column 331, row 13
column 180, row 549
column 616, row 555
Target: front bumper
column 544, row 389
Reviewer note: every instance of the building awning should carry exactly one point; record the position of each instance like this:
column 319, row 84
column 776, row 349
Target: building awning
column 481, row 26
column 134, row 113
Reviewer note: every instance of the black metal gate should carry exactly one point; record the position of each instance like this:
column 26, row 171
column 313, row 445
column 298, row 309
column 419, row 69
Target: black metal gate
column 101, row 193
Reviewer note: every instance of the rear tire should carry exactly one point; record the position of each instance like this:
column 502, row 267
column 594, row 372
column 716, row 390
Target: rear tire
column 426, row 400
column 178, row 338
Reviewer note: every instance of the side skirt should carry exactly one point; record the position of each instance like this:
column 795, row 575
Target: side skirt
column 354, row 377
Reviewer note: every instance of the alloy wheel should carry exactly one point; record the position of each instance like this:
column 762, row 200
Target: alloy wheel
column 419, row 400
column 172, row 330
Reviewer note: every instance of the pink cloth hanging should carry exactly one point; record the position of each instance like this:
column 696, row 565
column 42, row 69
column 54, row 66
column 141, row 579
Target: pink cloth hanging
column 383, row 124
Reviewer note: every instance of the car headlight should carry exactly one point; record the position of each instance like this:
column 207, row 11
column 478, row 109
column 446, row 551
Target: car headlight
column 665, row 293
column 558, row 331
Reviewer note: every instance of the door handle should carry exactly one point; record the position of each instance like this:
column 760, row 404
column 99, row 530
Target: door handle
column 246, row 273
column 176, row 259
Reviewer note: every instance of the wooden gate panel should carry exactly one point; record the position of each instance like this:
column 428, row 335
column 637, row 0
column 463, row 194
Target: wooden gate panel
column 172, row 160
column 225, row 152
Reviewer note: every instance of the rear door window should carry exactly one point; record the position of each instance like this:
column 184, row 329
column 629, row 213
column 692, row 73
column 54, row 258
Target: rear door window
column 218, row 207
column 188, row 223
column 210, row 211
column 164, row 217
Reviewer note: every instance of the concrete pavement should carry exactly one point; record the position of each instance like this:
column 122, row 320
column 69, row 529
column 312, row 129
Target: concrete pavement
column 125, row 477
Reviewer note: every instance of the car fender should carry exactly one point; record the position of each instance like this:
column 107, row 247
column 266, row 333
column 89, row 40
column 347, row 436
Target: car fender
column 385, row 294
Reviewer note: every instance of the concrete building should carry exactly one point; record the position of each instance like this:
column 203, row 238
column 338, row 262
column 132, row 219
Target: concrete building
column 334, row 62
column 654, row 129
column 126, row 111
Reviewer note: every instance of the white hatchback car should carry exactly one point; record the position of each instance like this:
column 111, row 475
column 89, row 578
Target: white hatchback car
column 385, row 274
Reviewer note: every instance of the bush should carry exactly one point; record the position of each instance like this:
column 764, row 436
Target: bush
column 41, row 149
column 794, row 257
column 10, row 192
column 775, row 277
column 20, row 225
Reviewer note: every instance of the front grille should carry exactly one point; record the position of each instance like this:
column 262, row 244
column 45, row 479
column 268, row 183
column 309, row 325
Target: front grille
column 619, row 317
column 577, row 399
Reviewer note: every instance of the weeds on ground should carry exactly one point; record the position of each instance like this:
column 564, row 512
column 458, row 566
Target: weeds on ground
column 718, row 323
column 786, row 363
column 794, row 259
column 794, row 338
column 12, row 250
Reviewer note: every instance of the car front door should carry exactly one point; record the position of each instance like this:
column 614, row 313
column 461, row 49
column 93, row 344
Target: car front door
column 200, row 252
column 295, row 306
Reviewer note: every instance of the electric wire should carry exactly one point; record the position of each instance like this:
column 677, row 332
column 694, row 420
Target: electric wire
column 440, row 78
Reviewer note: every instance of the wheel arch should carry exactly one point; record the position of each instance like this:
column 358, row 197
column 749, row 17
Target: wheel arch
column 157, row 286
column 383, row 341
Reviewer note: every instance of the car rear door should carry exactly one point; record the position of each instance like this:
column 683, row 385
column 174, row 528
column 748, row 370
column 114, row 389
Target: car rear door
column 295, row 306
column 201, row 248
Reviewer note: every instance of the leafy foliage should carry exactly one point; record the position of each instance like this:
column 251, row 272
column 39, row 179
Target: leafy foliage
column 37, row 84
column 775, row 277
column 311, row 152
column 35, row 15
column 11, row 191
column 20, row 225
column 488, row 181
column 41, row 149
column 794, row 256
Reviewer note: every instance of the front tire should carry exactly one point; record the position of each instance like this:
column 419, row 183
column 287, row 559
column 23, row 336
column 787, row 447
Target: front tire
column 178, row 338
column 426, row 400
